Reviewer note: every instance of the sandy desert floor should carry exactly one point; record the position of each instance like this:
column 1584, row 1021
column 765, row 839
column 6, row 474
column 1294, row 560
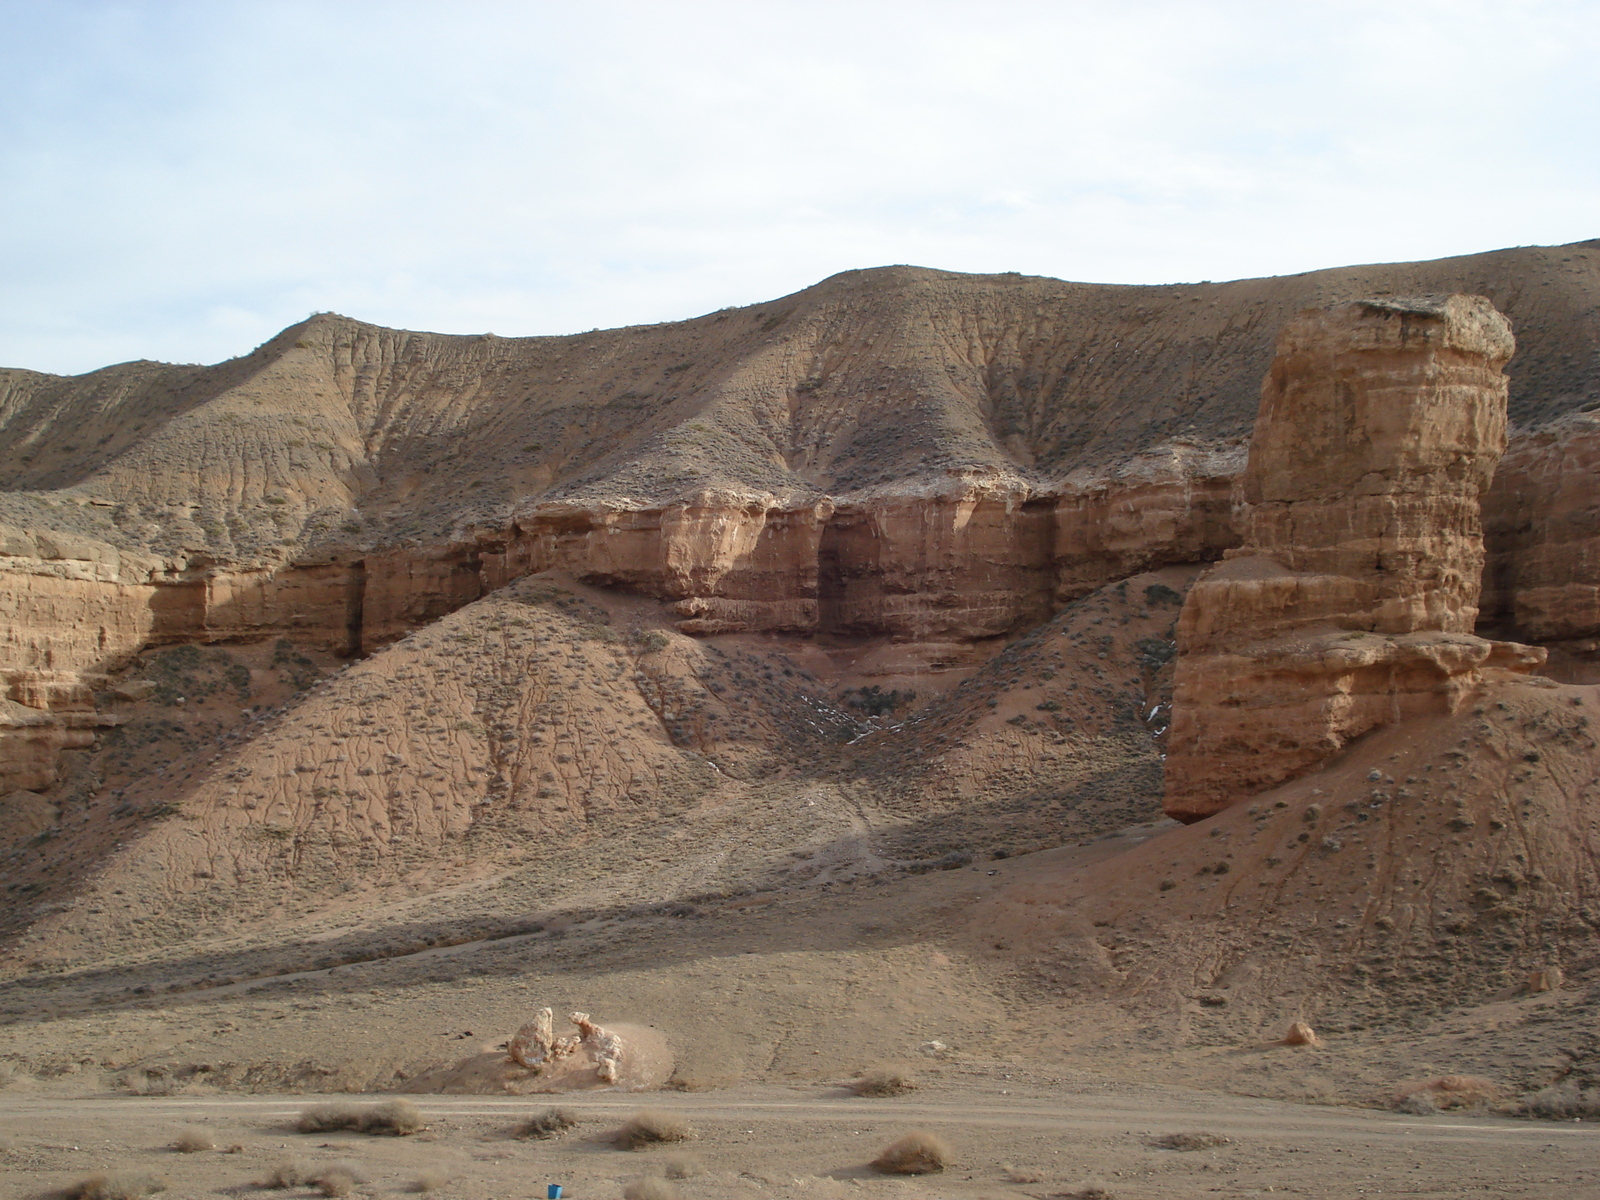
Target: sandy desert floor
column 1056, row 1135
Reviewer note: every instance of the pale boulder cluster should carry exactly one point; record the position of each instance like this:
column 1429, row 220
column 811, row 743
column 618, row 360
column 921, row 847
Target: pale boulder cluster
column 536, row 1047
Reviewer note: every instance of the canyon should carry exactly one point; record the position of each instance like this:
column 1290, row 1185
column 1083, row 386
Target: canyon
column 371, row 644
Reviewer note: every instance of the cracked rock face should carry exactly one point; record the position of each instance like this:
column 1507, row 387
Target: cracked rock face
column 1351, row 604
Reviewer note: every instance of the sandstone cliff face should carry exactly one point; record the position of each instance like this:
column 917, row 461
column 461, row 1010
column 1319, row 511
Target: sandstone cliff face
column 1542, row 528
column 897, row 453
column 1352, row 602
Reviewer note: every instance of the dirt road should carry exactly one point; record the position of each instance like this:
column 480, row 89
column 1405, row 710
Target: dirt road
column 771, row 1141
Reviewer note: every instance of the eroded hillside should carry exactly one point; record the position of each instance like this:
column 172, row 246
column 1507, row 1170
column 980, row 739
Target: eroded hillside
column 802, row 631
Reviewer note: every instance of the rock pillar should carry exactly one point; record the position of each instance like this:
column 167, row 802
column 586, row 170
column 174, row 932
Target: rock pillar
column 1352, row 601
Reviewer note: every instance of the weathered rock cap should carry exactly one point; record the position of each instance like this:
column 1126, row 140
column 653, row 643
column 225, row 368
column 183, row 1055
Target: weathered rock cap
column 1454, row 321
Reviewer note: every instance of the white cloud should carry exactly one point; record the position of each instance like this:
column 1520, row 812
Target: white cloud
column 180, row 180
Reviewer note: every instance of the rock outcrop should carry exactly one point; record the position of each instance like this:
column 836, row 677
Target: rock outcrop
column 1542, row 529
column 1352, row 602
column 906, row 454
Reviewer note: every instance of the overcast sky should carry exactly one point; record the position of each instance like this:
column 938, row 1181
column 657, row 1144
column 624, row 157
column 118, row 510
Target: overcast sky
column 179, row 181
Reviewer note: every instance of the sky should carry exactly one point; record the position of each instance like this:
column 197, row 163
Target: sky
column 179, row 181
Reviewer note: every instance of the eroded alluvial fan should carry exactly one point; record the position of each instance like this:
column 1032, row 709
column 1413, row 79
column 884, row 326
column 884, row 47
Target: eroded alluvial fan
column 896, row 470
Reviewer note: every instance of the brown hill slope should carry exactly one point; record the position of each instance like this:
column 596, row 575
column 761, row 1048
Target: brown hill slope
column 790, row 620
column 869, row 379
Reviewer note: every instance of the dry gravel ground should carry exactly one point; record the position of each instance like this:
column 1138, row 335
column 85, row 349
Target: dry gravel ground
column 1063, row 1135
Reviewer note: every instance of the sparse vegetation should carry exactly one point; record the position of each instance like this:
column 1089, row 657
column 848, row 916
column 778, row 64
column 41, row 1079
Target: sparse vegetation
column 552, row 1122
column 882, row 1081
column 337, row 1178
column 1191, row 1141
column 1021, row 1174
column 650, row 1188
column 394, row 1118
column 876, row 702
column 115, row 1185
column 1565, row 1101
column 682, row 1166
column 916, row 1153
column 1449, row 1091
column 193, row 1141
column 286, row 1175
column 651, row 1129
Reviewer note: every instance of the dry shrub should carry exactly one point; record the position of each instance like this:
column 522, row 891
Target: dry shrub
column 325, row 1118
column 192, row 1141
column 286, row 1175
column 1020, row 1174
column 682, row 1080
column 917, row 1153
column 552, row 1122
column 651, row 1129
column 116, row 1185
column 1089, row 1191
column 149, row 1083
column 397, row 1118
column 1449, row 1091
column 1418, row 1104
column 882, row 1081
column 1562, row 1102
column 1191, row 1141
column 430, row 1181
column 682, row 1166
column 650, row 1188
column 337, row 1178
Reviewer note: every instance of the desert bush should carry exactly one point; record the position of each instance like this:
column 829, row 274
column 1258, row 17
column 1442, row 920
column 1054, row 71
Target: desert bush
column 917, row 1153
column 552, row 1122
column 650, row 1188
column 337, row 1178
column 1451, row 1091
column 149, row 1083
column 1562, row 1102
column 285, row 1175
column 192, row 1141
column 325, row 1118
column 691, row 1080
column 682, row 1166
column 1191, row 1141
column 1418, row 1104
column 430, row 1181
column 116, row 1185
column 396, row 1118
column 882, row 1081
column 1020, row 1174
column 650, row 1129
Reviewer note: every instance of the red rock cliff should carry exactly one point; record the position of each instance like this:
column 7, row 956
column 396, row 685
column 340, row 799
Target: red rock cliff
column 1351, row 604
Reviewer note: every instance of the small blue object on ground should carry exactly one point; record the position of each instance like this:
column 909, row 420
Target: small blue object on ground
column 553, row 1191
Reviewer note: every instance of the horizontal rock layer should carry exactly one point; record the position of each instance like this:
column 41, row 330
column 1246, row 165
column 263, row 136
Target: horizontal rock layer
column 1352, row 603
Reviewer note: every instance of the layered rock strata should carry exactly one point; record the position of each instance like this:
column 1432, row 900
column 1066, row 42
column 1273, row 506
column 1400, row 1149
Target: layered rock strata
column 1352, row 602
column 1542, row 528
